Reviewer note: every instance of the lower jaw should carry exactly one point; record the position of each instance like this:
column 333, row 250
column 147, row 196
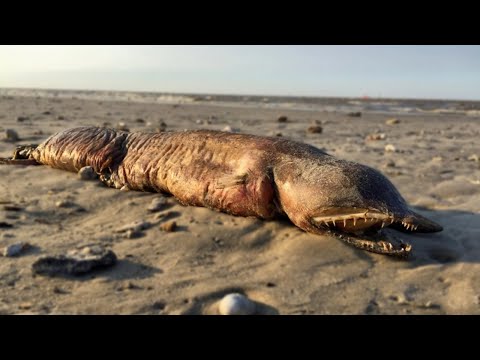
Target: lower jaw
column 378, row 242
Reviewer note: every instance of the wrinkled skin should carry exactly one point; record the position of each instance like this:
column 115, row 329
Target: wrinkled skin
column 242, row 175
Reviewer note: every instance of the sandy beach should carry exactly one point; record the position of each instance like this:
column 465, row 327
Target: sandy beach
column 430, row 153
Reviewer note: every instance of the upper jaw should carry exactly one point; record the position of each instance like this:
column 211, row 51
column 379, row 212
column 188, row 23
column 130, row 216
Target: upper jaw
column 356, row 219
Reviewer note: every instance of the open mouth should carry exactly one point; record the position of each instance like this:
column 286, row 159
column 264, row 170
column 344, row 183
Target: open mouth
column 362, row 228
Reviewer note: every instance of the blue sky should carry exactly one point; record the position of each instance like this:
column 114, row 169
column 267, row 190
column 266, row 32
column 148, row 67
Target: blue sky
column 449, row 72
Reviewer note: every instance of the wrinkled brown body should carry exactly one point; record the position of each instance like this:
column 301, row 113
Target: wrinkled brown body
column 239, row 174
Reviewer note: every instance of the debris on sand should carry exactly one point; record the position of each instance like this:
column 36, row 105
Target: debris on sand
column 376, row 136
column 474, row 157
column 14, row 249
column 355, row 114
column 169, row 226
column 236, row 304
column 282, row 119
column 22, row 118
column 75, row 262
column 392, row 121
column 315, row 129
column 135, row 226
column 390, row 148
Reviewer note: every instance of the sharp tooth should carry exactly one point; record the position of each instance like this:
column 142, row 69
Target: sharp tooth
column 344, row 222
column 383, row 224
column 354, row 221
column 391, row 220
column 408, row 227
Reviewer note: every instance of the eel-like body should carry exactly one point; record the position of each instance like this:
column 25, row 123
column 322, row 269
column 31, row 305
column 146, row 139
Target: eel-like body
column 243, row 175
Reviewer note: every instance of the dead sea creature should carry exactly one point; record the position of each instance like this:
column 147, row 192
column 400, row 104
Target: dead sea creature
column 243, row 175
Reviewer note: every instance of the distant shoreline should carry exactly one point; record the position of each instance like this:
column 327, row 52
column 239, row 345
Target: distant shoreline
column 329, row 104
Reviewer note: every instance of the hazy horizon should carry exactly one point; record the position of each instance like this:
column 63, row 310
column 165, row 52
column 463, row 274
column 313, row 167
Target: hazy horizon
column 406, row 72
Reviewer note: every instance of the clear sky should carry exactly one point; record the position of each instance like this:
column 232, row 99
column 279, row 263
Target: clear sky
column 449, row 72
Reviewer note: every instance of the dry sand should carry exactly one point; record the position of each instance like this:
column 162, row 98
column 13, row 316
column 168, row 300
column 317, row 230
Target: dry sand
column 211, row 254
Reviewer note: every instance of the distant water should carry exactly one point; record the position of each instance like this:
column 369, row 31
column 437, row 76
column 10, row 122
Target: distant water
column 346, row 105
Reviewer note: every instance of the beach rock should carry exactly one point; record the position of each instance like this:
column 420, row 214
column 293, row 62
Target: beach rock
column 315, row 129
column 355, row 114
column 135, row 226
column 392, row 121
column 87, row 173
column 22, row 118
column 11, row 135
column 282, row 119
column 14, row 249
column 75, row 262
column 390, row 148
column 140, row 121
column 60, row 117
column 157, row 204
column 169, row 226
column 236, row 304
column 133, row 234
column 123, row 127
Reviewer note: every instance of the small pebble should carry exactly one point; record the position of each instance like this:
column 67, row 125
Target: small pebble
column 15, row 249
column 236, row 304
column 60, row 117
column 474, row 157
column 133, row 234
column 315, row 129
column 87, row 173
column 392, row 121
column 123, row 127
column 169, row 226
column 390, row 163
column 157, row 204
column 140, row 121
column 63, row 204
column 282, row 119
column 228, row 128
column 22, row 118
column 11, row 135
column 390, row 148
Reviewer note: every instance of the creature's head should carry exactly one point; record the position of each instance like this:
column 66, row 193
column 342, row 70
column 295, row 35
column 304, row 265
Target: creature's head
column 331, row 193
